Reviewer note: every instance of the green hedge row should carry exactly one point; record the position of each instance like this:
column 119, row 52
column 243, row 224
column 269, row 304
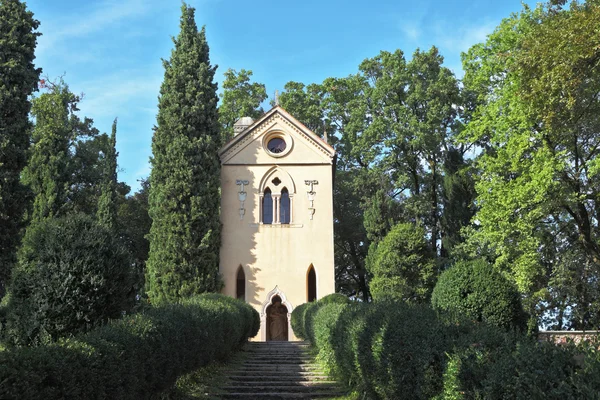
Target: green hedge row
column 132, row 358
column 393, row 350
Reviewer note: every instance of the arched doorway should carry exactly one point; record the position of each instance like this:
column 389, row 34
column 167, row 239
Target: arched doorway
column 240, row 290
column 277, row 321
column 311, row 284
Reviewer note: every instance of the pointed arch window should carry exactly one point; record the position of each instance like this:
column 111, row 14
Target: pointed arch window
column 267, row 207
column 284, row 207
column 311, row 284
column 240, row 289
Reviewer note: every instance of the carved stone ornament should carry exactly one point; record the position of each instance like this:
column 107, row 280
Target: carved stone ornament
column 242, row 196
column 311, row 197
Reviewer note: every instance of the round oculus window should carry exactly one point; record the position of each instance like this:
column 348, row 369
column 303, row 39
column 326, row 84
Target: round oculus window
column 276, row 145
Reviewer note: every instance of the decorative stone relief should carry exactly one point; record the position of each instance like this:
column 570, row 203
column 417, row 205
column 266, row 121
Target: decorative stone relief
column 311, row 197
column 242, row 196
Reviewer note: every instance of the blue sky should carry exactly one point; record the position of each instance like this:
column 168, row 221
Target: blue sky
column 111, row 50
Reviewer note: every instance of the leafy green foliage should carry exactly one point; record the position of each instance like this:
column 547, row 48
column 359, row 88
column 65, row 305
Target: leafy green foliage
column 240, row 98
column 19, row 80
column 304, row 103
column 47, row 173
column 185, row 179
column 311, row 310
column 297, row 321
column 402, row 265
column 132, row 358
column 107, row 204
column 133, row 225
column 535, row 81
column 393, row 125
column 72, row 276
column 350, row 237
column 476, row 290
column 395, row 350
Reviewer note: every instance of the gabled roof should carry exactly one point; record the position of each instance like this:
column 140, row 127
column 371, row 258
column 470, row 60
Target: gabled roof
column 307, row 133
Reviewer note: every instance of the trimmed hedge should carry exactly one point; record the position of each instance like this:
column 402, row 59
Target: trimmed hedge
column 132, row 358
column 311, row 310
column 297, row 320
column 394, row 350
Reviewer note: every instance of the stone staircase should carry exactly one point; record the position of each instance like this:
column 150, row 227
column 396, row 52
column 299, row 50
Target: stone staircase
column 278, row 370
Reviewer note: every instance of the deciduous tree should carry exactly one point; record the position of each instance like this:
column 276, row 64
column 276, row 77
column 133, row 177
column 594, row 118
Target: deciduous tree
column 240, row 98
column 537, row 79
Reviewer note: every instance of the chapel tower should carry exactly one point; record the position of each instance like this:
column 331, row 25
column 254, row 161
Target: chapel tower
column 277, row 215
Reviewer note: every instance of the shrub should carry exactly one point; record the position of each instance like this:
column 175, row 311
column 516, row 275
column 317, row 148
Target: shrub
column 476, row 290
column 132, row 358
column 312, row 308
column 344, row 339
column 395, row 350
column 72, row 276
column 402, row 265
column 410, row 357
column 297, row 321
column 493, row 364
column 324, row 322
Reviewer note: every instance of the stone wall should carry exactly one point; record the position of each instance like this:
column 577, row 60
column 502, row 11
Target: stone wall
column 562, row 337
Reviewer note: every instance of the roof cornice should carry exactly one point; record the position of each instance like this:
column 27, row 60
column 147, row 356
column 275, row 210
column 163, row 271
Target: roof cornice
column 264, row 122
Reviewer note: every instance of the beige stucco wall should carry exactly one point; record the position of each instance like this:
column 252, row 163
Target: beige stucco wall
column 276, row 257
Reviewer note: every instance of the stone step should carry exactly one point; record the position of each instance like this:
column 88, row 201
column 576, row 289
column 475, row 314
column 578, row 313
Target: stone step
column 266, row 361
column 279, row 377
column 276, row 351
column 280, row 345
column 278, row 370
column 281, row 388
column 269, row 396
column 292, row 383
column 267, row 369
column 280, row 356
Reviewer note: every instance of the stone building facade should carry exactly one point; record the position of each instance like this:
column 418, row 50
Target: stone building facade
column 277, row 215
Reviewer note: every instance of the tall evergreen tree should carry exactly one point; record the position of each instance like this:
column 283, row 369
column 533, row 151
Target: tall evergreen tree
column 184, row 183
column 107, row 204
column 18, row 79
column 47, row 173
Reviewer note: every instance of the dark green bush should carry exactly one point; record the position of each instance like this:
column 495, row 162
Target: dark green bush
column 488, row 363
column 402, row 265
column 410, row 353
column 72, row 276
column 132, row 358
column 475, row 290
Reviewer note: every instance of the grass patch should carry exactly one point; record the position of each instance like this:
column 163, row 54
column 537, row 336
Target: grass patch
column 204, row 383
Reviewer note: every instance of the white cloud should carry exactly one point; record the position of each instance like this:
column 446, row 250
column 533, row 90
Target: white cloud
column 100, row 17
column 120, row 93
column 462, row 38
column 144, row 171
column 410, row 30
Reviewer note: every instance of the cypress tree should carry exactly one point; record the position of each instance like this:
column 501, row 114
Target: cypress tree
column 47, row 173
column 18, row 80
column 107, row 204
column 184, row 183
